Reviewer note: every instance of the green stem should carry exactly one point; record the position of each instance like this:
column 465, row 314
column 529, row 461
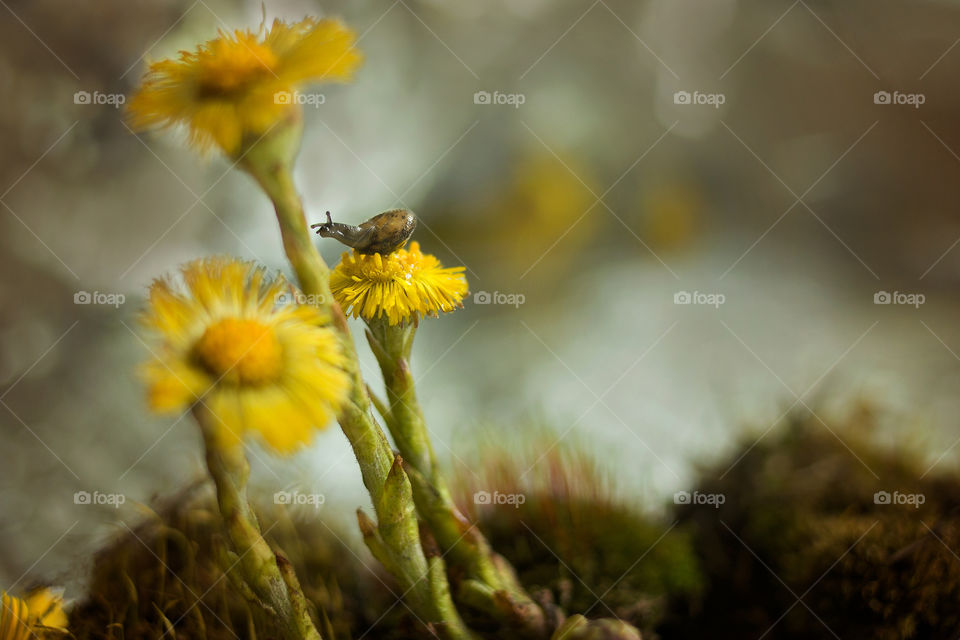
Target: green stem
column 391, row 345
column 268, row 575
column 269, row 160
column 312, row 272
column 395, row 540
column 270, row 163
column 491, row 583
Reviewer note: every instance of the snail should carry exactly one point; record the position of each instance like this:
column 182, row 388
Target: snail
column 383, row 233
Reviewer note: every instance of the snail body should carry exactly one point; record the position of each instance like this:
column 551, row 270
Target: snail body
column 383, row 233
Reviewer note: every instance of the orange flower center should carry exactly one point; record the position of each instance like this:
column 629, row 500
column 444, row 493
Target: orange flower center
column 240, row 351
column 231, row 66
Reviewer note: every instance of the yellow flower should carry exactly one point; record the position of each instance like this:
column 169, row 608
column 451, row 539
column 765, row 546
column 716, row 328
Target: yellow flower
column 243, row 83
column 21, row 619
column 405, row 284
column 259, row 365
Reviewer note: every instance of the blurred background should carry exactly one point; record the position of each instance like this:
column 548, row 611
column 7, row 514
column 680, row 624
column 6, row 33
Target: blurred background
column 680, row 220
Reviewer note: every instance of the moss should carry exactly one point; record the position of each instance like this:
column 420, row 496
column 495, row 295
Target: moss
column 799, row 519
column 579, row 543
column 572, row 541
column 168, row 573
column 800, row 509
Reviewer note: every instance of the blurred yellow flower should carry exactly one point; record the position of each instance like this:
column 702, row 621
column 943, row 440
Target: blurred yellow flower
column 542, row 216
column 232, row 341
column 400, row 286
column 21, row 619
column 243, row 83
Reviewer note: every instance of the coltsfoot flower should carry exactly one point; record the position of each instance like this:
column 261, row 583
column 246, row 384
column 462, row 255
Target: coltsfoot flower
column 259, row 366
column 242, row 83
column 401, row 286
column 24, row 618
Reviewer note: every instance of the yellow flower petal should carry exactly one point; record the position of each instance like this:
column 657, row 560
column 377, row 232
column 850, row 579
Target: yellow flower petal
column 46, row 609
column 25, row 618
column 261, row 367
column 401, row 286
column 225, row 90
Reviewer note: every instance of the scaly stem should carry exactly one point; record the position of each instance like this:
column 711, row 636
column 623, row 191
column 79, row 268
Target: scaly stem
column 268, row 575
column 491, row 583
column 395, row 539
